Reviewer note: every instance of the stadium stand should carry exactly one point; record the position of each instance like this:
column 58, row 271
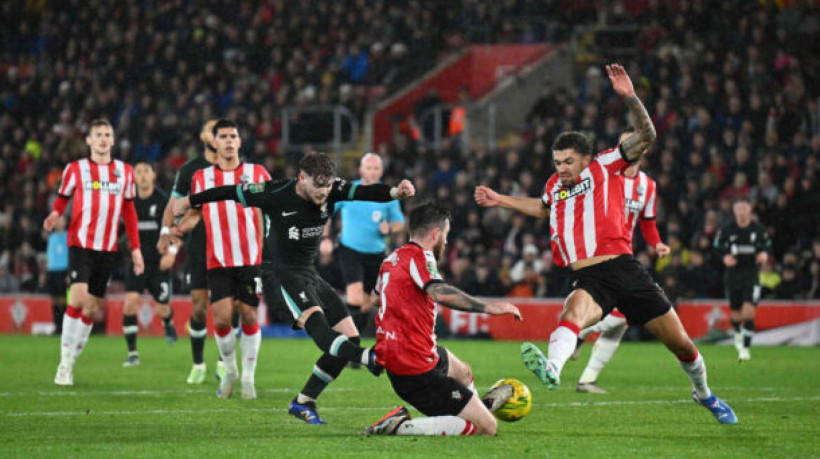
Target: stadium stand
column 734, row 97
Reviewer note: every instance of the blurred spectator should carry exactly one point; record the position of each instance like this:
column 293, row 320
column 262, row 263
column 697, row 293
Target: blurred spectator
column 769, row 280
column 811, row 281
column 8, row 282
column 528, row 265
column 789, row 288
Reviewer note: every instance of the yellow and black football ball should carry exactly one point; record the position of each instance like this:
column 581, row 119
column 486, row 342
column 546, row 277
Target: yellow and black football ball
column 518, row 405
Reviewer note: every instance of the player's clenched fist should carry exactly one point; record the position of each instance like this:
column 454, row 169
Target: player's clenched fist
column 486, row 197
column 404, row 190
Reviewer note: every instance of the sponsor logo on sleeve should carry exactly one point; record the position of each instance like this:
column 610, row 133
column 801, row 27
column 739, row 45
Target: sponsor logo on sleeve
column 254, row 187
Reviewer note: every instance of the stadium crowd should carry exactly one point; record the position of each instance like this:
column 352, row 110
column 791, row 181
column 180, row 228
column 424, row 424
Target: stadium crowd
column 734, row 97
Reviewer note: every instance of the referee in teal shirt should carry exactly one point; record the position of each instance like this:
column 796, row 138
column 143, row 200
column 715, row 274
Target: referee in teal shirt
column 365, row 228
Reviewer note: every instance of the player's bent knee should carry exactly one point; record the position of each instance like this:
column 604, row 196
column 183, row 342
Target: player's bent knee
column 466, row 374
column 346, row 327
column 91, row 305
column 355, row 293
column 302, row 320
column 131, row 304
column 199, row 301
column 249, row 314
column 318, row 329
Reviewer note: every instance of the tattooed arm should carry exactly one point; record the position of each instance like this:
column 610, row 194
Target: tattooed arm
column 447, row 295
column 635, row 145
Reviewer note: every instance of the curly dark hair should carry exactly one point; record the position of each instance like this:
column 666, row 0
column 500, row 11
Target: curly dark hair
column 317, row 165
column 573, row 140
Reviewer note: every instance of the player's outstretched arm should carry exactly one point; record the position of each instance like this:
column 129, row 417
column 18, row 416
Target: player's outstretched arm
column 487, row 197
column 453, row 298
column 379, row 192
column 635, row 145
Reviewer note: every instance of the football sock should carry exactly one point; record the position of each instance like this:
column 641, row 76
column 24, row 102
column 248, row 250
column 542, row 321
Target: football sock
column 562, row 343
column 302, row 399
column 362, row 321
column 360, row 318
column 250, row 342
column 198, row 332
column 333, row 343
column 58, row 311
column 70, row 335
column 355, row 313
column 327, row 369
column 86, row 324
column 130, row 329
column 748, row 332
column 235, row 321
column 226, row 342
column 609, row 322
column 168, row 321
column 695, row 368
column 602, row 352
column 735, row 326
column 436, row 425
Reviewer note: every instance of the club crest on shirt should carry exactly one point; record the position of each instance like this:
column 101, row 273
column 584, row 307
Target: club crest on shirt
column 580, row 188
column 324, row 210
column 117, row 173
column 377, row 216
column 245, row 179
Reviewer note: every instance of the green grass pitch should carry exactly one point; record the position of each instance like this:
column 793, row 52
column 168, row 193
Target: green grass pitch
column 150, row 411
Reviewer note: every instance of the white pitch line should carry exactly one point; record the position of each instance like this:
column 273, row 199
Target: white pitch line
column 664, row 402
column 68, row 392
column 61, row 393
column 174, row 412
column 382, row 408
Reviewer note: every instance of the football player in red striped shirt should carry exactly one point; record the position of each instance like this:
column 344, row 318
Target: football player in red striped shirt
column 422, row 373
column 640, row 192
column 584, row 201
column 102, row 189
column 234, row 253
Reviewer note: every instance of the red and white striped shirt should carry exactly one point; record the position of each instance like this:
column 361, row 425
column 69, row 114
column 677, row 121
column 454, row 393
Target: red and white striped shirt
column 234, row 237
column 99, row 191
column 405, row 335
column 587, row 220
column 640, row 193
